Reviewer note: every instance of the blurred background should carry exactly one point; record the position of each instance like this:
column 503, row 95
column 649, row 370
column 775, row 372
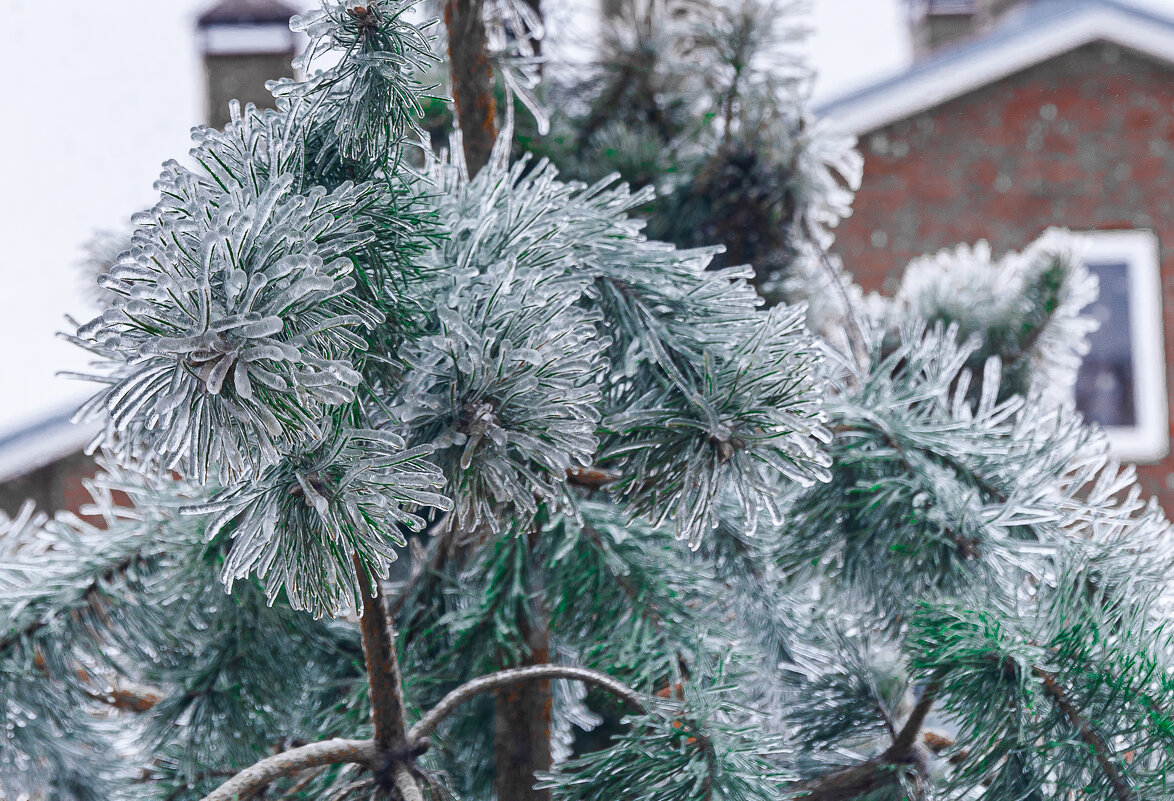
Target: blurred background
column 977, row 119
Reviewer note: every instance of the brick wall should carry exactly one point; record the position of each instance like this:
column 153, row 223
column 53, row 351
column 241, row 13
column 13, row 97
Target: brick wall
column 57, row 485
column 1085, row 141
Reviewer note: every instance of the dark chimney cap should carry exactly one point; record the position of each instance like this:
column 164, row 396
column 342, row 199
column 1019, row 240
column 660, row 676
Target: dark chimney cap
column 246, row 12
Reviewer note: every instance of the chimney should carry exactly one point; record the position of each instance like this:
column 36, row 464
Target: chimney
column 244, row 44
column 937, row 23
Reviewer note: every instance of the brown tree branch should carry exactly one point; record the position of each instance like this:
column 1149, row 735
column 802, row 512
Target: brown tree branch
column 331, row 752
column 1100, row 749
column 304, row 782
column 383, row 675
column 387, row 755
column 387, row 692
column 405, row 782
column 845, row 783
column 908, row 736
column 855, row 780
column 522, row 717
column 472, row 81
column 505, row 678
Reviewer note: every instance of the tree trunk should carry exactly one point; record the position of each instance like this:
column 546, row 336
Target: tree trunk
column 472, row 81
column 521, row 732
column 522, row 713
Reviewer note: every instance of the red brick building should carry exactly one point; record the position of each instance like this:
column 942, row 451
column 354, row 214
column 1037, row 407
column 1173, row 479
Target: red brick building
column 1055, row 113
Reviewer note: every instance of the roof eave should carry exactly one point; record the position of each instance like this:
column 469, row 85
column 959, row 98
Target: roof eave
column 984, row 62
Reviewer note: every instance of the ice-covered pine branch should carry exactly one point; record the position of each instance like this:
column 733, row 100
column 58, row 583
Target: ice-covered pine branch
column 327, row 346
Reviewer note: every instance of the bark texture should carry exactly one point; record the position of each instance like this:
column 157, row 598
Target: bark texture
column 521, row 732
column 393, row 756
column 522, row 712
column 472, row 80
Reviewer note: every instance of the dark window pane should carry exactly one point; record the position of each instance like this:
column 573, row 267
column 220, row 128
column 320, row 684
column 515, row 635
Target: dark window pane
column 1104, row 386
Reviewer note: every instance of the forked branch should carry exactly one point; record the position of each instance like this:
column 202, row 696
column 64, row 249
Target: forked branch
column 857, row 780
column 366, row 753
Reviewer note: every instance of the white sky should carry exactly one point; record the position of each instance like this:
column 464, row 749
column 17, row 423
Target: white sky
column 99, row 94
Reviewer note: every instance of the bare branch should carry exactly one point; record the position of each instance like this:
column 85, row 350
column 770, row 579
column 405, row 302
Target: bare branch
column 472, row 81
column 856, row 780
column 857, row 338
column 304, row 782
column 845, row 783
column 906, row 738
column 387, row 692
column 331, row 752
column 405, row 782
column 503, row 678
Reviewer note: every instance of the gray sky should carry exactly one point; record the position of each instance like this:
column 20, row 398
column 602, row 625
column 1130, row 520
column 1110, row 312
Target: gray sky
column 854, row 42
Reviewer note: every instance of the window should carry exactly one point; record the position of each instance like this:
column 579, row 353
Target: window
column 1122, row 382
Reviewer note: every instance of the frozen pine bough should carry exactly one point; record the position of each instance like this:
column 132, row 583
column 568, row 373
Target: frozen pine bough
column 427, row 482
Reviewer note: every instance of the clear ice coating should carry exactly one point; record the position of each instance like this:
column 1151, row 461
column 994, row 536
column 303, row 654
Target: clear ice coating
column 326, row 344
column 233, row 324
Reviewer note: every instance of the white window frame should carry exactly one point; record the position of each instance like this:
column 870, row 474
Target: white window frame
column 1148, row 440
column 247, row 40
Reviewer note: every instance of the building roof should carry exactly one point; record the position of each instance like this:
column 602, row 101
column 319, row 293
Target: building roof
column 246, row 12
column 34, row 446
column 1025, row 37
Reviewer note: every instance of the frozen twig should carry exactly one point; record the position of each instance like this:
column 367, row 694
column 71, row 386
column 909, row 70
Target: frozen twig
column 856, row 780
column 330, row 752
column 1088, row 735
column 504, row 678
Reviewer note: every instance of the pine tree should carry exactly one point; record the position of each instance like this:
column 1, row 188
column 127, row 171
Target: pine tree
column 511, row 500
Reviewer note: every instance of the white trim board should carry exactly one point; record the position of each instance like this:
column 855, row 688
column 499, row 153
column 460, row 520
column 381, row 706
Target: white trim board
column 1148, row 440
column 38, row 445
column 243, row 40
column 957, row 72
